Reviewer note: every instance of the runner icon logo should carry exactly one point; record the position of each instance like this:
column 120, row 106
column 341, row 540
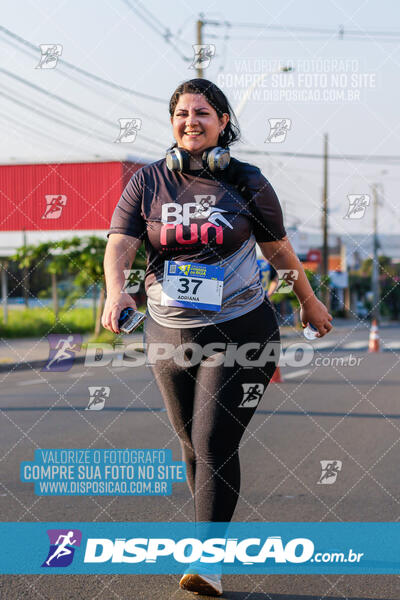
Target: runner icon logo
column 62, row 547
column 133, row 278
column 128, row 129
column 287, row 277
column 50, row 53
column 204, row 204
column 278, row 129
column 252, row 394
column 357, row 206
column 330, row 470
column 62, row 351
column 97, row 397
column 54, row 206
column 203, row 54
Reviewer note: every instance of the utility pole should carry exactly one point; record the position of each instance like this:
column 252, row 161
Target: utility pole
column 375, row 261
column 199, row 27
column 4, row 291
column 25, row 279
column 325, row 249
column 343, row 268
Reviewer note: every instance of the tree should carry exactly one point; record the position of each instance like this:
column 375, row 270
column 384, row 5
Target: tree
column 80, row 258
column 29, row 256
column 389, row 284
column 86, row 255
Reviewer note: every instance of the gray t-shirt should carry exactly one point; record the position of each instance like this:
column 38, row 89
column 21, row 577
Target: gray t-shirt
column 199, row 217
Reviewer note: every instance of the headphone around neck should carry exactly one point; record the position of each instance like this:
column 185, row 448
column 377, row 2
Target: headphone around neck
column 215, row 159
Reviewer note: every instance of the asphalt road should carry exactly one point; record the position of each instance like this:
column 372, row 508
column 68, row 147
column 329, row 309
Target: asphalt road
column 331, row 411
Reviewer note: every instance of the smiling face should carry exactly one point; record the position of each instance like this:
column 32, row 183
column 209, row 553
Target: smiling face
column 195, row 123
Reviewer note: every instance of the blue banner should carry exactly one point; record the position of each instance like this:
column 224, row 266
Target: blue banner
column 165, row 547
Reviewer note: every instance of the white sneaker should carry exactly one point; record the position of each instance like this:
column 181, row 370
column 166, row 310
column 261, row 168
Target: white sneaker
column 206, row 584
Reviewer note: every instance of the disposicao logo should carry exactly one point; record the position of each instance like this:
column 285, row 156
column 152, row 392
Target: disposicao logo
column 187, row 550
column 62, row 547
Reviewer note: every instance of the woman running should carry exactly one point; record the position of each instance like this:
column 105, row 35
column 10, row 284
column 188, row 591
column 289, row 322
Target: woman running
column 200, row 213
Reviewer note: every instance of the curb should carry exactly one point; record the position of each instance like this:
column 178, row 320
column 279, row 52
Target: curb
column 33, row 365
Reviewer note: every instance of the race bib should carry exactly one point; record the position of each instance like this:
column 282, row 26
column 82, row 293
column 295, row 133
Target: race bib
column 192, row 285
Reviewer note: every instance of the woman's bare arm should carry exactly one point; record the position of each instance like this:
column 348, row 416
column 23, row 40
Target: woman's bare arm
column 282, row 256
column 119, row 255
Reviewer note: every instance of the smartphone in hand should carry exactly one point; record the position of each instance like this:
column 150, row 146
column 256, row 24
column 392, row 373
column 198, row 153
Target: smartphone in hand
column 130, row 319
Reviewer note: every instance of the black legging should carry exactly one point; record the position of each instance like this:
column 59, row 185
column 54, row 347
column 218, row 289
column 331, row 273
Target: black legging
column 206, row 404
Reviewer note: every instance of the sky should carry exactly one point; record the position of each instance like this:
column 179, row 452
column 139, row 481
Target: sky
column 345, row 86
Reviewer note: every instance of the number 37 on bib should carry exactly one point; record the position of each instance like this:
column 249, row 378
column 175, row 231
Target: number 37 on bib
column 192, row 285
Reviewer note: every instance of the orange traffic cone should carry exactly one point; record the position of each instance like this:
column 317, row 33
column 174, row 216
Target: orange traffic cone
column 277, row 377
column 373, row 344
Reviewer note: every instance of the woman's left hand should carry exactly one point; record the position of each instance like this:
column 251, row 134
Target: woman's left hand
column 314, row 312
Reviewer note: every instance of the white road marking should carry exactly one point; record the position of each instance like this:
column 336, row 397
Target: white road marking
column 294, row 374
column 390, row 345
column 32, row 381
column 355, row 346
column 321, row 345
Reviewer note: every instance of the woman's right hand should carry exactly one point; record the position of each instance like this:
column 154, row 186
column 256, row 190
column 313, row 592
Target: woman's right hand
column 113, row 308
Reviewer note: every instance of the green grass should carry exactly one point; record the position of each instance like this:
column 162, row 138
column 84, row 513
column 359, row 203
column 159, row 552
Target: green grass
column 37, row 322
column 105, row 336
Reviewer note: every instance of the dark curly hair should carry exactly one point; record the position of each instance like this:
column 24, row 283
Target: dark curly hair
column 217, row 99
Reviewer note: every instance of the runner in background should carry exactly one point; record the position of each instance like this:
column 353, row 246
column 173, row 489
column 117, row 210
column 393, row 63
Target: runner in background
column 269, row 277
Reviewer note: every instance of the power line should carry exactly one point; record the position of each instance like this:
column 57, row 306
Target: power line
column 82, row 71
column 181, row 28
column 80, row 82
column 49, row 111
column 55, row 119
column 340, row 31
column 90, row 85
column 274, row 38
column 55, row 97
column 22, row 124
column 155, row 24
column 26, row 127
column 355, row 157
column 52, row 113
column 70, row 104
column 142, row 7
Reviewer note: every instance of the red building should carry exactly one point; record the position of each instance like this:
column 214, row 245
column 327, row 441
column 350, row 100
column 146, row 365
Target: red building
column 54, row 201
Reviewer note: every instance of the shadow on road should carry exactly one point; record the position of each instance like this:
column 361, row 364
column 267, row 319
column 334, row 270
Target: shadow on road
column 290, row 413
column 227, row 595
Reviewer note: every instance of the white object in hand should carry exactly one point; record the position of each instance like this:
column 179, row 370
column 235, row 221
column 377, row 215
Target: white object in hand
column 310, row 333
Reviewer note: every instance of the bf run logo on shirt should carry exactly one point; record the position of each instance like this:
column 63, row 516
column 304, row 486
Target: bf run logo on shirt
column 63, row 543
column 175, row 216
